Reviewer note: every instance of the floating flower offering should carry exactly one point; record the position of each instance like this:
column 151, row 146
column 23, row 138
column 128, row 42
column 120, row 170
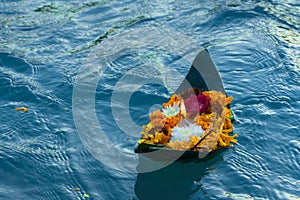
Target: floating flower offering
column 194, row 120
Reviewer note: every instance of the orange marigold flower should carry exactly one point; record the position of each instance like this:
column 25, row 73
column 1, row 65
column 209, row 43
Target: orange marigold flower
column 203, row 120
column 229, row 100
column 157, row 119
column 156, row 115
column 174, row 99
column 172, row 121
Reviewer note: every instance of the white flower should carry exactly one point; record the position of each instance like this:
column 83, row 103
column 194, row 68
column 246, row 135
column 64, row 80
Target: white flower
column 171, row 111
column 184, row 132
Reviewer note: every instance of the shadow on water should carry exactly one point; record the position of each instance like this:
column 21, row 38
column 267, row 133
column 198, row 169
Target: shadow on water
column 179, row 180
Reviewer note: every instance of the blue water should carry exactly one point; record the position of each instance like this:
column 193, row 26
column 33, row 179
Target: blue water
column 44, row 45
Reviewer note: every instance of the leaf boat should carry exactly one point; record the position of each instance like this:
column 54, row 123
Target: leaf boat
column 197, row 120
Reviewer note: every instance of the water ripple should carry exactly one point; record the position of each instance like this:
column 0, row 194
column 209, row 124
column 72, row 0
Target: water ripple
column 255, row 46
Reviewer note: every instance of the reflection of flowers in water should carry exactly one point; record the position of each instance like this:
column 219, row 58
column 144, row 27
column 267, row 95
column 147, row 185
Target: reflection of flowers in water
column 197, row 104
column 183, row 133
column 171, row 111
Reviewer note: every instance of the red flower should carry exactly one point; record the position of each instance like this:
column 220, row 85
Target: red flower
column 196, row 104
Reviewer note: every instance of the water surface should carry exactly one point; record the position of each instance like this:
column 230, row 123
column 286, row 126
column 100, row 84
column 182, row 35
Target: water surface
column 44, row 44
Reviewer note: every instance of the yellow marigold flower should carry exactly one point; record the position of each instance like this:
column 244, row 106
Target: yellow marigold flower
column 222, row 143
column 227, row 139
column 179, row 145
column 141, row 141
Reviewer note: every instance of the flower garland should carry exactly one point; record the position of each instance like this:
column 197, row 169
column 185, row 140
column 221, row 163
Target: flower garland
column 190, row 117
